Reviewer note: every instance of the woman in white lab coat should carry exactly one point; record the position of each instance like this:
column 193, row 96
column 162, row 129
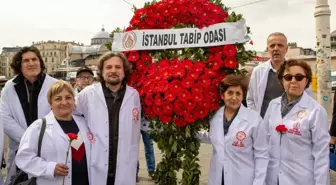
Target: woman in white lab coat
column 300, row 153
column 53, row 166
column 2, row 138
column 240, row 148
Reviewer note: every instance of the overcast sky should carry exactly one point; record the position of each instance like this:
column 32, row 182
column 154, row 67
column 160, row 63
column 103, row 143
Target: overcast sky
column 22, row 22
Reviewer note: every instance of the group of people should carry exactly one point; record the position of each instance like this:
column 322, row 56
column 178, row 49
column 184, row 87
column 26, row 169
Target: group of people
column 280, row 138
column 105, row 117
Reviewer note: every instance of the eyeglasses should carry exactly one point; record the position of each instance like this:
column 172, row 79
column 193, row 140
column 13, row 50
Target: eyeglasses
column 298, row 77
column 89, row 78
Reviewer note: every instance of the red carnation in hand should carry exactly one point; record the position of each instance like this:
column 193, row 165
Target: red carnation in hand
column 282, row 129
column 72, row 136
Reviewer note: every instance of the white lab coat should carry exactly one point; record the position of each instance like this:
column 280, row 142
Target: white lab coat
column 245, row 164
column 2, row 138
column 302, row 157
column 257, row 86
column 14, row 119
column 54, row 147
column 92, row 104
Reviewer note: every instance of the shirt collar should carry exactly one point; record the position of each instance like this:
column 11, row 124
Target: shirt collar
column 272, row 68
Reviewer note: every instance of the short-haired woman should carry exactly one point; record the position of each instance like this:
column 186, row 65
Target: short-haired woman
column 50, row 167
column 298, row 128
column 240, row 148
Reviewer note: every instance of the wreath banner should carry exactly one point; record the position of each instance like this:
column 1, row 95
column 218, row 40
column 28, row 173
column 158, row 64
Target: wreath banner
column 214, row 35
column 179, row 87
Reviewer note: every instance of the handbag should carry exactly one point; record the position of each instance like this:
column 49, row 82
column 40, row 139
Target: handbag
column 21, row 178
column 332, row 157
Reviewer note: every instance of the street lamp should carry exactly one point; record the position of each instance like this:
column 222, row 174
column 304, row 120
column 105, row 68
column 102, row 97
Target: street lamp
column 323, row 52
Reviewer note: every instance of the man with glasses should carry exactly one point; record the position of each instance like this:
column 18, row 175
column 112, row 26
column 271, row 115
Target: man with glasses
column 84, row 77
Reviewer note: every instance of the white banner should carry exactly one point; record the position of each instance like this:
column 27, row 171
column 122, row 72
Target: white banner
column 214, row 35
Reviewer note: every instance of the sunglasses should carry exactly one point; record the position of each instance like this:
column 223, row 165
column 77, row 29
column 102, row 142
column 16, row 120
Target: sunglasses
column 298, row 77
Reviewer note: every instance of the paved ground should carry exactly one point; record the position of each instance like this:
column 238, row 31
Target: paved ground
column 205, row 155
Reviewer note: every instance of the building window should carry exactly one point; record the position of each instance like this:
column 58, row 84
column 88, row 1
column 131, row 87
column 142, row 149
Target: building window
column 52, row 59
column 46, row 59
column 54, row 53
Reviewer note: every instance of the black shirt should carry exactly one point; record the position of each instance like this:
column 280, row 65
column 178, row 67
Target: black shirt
column 79, row 164
column 113, row 102
column 28, row 95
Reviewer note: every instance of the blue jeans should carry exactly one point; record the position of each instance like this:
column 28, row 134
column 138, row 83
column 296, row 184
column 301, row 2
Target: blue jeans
column 149, row 152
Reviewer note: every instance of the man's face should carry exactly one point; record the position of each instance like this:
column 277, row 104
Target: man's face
column 84, row 79
column 30, row 65
column 277, row 48
column 113, row 71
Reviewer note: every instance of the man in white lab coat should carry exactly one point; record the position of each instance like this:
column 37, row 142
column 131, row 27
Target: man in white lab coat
column 113, row 112
column 24, row 98
column 264, row 85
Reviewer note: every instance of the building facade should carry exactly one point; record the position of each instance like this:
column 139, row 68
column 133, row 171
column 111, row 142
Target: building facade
column 53, row 53
column 333, row 41
column 5, row 61
column 79, row 55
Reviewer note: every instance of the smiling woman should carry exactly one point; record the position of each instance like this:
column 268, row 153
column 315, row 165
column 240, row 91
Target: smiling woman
column 49, row 167
column 61, row 100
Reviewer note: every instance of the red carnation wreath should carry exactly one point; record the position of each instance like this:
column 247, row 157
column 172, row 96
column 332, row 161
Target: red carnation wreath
column 179, row 87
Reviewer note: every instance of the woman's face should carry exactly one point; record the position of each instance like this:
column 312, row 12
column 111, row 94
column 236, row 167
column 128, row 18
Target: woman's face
column 294, row 81
column 233, row 97
column 62, row 104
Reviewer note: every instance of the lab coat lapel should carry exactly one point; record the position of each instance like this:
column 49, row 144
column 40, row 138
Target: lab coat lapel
column 300, row 106
column 263, row 84
column 99, row 90
column 127, row 96
column 240, row 117
column 51, row 120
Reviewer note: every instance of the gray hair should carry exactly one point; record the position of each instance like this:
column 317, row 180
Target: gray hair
column 277, row 34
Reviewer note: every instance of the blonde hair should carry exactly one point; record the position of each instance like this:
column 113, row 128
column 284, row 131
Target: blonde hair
column 58, row 87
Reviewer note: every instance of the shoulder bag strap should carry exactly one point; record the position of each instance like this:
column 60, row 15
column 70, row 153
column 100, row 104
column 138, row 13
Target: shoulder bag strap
column 43, row 128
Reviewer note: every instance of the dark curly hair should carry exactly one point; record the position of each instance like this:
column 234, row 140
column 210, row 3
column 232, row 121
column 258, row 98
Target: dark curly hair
column 17, row 59
column 106, row 57
column 292, row 62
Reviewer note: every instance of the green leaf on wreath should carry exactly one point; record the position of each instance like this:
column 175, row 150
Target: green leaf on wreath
column 170, row 140
column 188, row 132
column 174, row 147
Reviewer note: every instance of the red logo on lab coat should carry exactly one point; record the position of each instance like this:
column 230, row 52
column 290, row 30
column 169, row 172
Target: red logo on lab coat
column 91, row 137
column 240, row 137
column 135, row 113
column 296, row 126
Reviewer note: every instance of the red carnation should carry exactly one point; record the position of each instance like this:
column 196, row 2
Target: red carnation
column 133, row 56
column 165, row 119
column 230, row 50
column 72, row 136
column 168, row 109
column 158, row 100
column 170, row 95
column 230, row 62
column 180, row 122
column 282, row 129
